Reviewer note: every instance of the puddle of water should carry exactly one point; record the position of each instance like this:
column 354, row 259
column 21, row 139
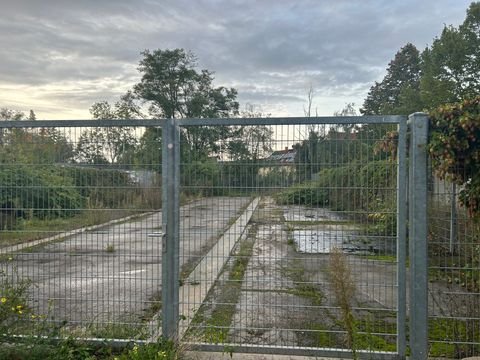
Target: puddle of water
column 322, row 241
column 310, row 214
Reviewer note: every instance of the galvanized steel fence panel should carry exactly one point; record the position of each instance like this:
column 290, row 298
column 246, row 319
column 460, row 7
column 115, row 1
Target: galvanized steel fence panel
column 453, row 274
column 231, row 234
column 81, row 228
column 284, row 203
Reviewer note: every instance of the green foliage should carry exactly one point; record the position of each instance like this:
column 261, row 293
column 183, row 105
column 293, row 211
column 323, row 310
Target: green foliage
column 8, row 114
column 162, row 350
column 70, row 349
column 343, row 287
column 49, row 192
column 450, row 338
column 340, row 146
column 148, row 154
column 454, row 149
column 47, row 146
column 103, row 188
column 303, row 194
column 398, row 92
column 42, row 190
column 112, row 144
column 451, row 67
column 275, row 177
column 174, row 88
column 200, row 177
column 366, row 189
column 446, row 72
column 13, row 300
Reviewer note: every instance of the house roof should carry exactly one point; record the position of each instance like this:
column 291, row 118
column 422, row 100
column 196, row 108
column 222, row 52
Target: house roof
column 283, row 156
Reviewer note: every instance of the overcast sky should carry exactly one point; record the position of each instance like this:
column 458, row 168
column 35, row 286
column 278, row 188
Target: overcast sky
column 59, row 56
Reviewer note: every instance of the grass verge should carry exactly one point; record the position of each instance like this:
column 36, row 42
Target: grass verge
column 35, row 229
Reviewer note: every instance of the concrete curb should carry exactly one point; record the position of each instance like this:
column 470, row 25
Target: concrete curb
column 202, row 278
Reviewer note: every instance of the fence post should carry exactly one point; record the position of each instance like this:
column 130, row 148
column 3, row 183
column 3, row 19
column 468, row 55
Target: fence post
column 402, row 177
column 418, row 236
column 170, row 226
column 453, row 220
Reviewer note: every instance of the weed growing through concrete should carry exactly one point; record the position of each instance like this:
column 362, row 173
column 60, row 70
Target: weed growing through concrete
column 110, row 248
column 344, row 290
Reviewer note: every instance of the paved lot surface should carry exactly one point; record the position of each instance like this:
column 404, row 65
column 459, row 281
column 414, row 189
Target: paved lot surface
column 286, row 297
column 114, row 273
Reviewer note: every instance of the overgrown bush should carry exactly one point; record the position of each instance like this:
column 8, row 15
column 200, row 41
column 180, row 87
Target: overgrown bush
column 369, row 190
column 13, row 300
column 53, row 191
column 200, row 177
column 308, row 193
column 455, row 150
column 41, row 192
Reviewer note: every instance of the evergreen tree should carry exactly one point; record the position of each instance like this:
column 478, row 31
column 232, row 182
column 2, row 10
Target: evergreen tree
column 398, row 92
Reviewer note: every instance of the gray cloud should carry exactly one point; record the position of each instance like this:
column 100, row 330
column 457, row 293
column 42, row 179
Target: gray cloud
column 270, row 50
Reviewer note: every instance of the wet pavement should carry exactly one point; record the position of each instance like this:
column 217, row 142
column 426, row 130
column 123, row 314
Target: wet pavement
column 286, row 297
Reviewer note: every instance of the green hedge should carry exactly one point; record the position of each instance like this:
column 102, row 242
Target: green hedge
column 41, row 191
column 51, row 191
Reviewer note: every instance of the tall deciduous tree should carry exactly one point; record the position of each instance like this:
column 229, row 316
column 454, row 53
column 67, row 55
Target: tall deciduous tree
column 103, row 145
column 9, row 114
column 251, row 143
column 398, row 92
column 173, row 88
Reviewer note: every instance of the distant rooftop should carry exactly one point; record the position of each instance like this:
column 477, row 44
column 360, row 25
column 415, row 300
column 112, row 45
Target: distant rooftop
column 283, row 156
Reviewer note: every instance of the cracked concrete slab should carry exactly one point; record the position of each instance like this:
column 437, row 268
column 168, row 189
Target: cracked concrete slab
column 113, row 273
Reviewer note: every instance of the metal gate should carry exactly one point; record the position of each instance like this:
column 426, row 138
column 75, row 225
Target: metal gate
column 275, row 235
column 314, row 262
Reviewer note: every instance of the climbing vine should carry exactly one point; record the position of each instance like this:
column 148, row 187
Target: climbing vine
column 454, row 148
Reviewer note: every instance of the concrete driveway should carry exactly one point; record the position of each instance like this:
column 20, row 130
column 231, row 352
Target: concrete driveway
column 113, row 273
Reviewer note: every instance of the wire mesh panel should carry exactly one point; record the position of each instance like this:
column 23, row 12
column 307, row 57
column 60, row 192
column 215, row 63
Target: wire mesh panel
column 454, row 274
column 289, row 237
column 80, row 235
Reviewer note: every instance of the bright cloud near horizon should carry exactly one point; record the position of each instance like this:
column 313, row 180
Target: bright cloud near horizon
column 59, row 57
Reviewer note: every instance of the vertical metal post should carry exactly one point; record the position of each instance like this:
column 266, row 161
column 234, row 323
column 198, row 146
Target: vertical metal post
column 170, row 222
column 453, row 220
column 402, row 177
column 418, row 236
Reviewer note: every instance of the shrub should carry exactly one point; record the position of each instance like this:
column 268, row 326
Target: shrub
column 455, row 150
column 303, row 194
column 41, row 190
column 366, row 189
